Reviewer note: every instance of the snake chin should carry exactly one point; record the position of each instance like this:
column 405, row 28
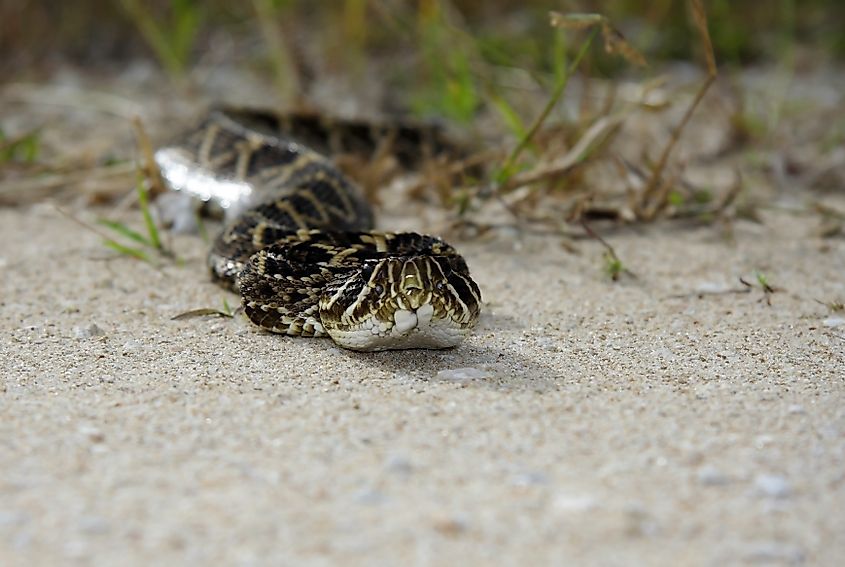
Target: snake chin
column 408, row 329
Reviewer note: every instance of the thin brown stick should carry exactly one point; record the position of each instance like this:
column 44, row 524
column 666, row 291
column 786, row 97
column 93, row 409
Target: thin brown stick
column 610, row 251
column 655, row 192
column 48, row 182
column 148, row 163
column 700, row 294
column 579, row 152
column 82, row 223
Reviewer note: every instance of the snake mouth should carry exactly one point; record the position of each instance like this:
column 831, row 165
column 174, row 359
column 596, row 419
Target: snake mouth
column 407, row 329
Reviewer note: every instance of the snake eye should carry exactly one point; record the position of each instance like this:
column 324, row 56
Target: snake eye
column 378, row 288
column 440, row 286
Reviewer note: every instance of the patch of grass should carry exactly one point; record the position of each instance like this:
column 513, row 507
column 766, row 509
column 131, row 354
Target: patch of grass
column 450, row 89
column 285, row 75
column 764, row 284
column 509, row 167
column 24, row 148
column 515, row 172
column 150, row 243
column 613, row 265
column 763, row 280
column 144, row 204
column 170, row 40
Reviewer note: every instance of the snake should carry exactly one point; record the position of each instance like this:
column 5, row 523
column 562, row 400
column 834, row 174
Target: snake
column 299, row 243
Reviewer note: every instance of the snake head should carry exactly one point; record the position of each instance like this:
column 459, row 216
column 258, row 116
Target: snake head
column 415, row 301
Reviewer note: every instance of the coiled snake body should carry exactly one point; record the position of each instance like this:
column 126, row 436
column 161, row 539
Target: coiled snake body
column 300, row 249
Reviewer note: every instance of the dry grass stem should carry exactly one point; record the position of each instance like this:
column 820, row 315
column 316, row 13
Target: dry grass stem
column 656, row 191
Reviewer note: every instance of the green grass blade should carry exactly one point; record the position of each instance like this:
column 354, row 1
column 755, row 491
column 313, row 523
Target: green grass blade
column 127, row 250
column 509, row 115
column 124, row 230
column 552, row 102
column 144, row 203
column 24, row 148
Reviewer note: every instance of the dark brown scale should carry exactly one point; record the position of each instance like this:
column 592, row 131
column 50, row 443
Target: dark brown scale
column 412, row 141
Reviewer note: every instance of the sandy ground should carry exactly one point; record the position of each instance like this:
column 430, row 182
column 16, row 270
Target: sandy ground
column 596, row 423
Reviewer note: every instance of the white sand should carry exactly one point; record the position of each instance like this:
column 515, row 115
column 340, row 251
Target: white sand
column 600, row 423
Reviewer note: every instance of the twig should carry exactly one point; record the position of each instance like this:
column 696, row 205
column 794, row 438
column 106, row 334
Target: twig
column 552, row 102
column 655, row 193
column 202, row 312
column 148, row 164
column 746, row 289
column 611, row 253
column 768, row 290
column 82, row 223
column 572, row 158
column 48, row 182
column 83, row 99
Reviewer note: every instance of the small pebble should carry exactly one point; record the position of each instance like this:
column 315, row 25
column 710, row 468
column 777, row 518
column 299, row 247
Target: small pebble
column 93, row 525
column 131, row 346
column 774, row 551
column 450, row 526
column 12, row 518
column 92, row 330
column 532, row 478
column 575, row 502
column 711, row 476
column 462, row 374
column 834, row 322
column 92, row 433
column 712, row 287
column 772, row 485
column 547, row 343
column 369, row 497
column 399, row 465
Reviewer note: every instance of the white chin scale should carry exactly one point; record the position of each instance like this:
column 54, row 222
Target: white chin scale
column 409, row 329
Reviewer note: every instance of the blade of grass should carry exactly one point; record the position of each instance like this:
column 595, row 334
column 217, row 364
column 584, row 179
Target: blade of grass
column 552, row 102
column 124, row 230
column 285, row 75
column 226, row 308
column 508, row 114
column 171, row 46
column 127, row 250
column 144, row 204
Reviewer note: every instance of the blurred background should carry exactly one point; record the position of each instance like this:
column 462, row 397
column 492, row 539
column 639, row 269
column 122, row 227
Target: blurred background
column 38, row 35
column 771, row 126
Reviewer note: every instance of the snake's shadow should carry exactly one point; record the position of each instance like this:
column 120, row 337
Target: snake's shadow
column 471, row 365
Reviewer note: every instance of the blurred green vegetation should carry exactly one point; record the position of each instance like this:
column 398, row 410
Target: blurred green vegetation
column 447, row 43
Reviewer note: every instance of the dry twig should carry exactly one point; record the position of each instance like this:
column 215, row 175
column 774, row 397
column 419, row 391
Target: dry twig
column 654, row 196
